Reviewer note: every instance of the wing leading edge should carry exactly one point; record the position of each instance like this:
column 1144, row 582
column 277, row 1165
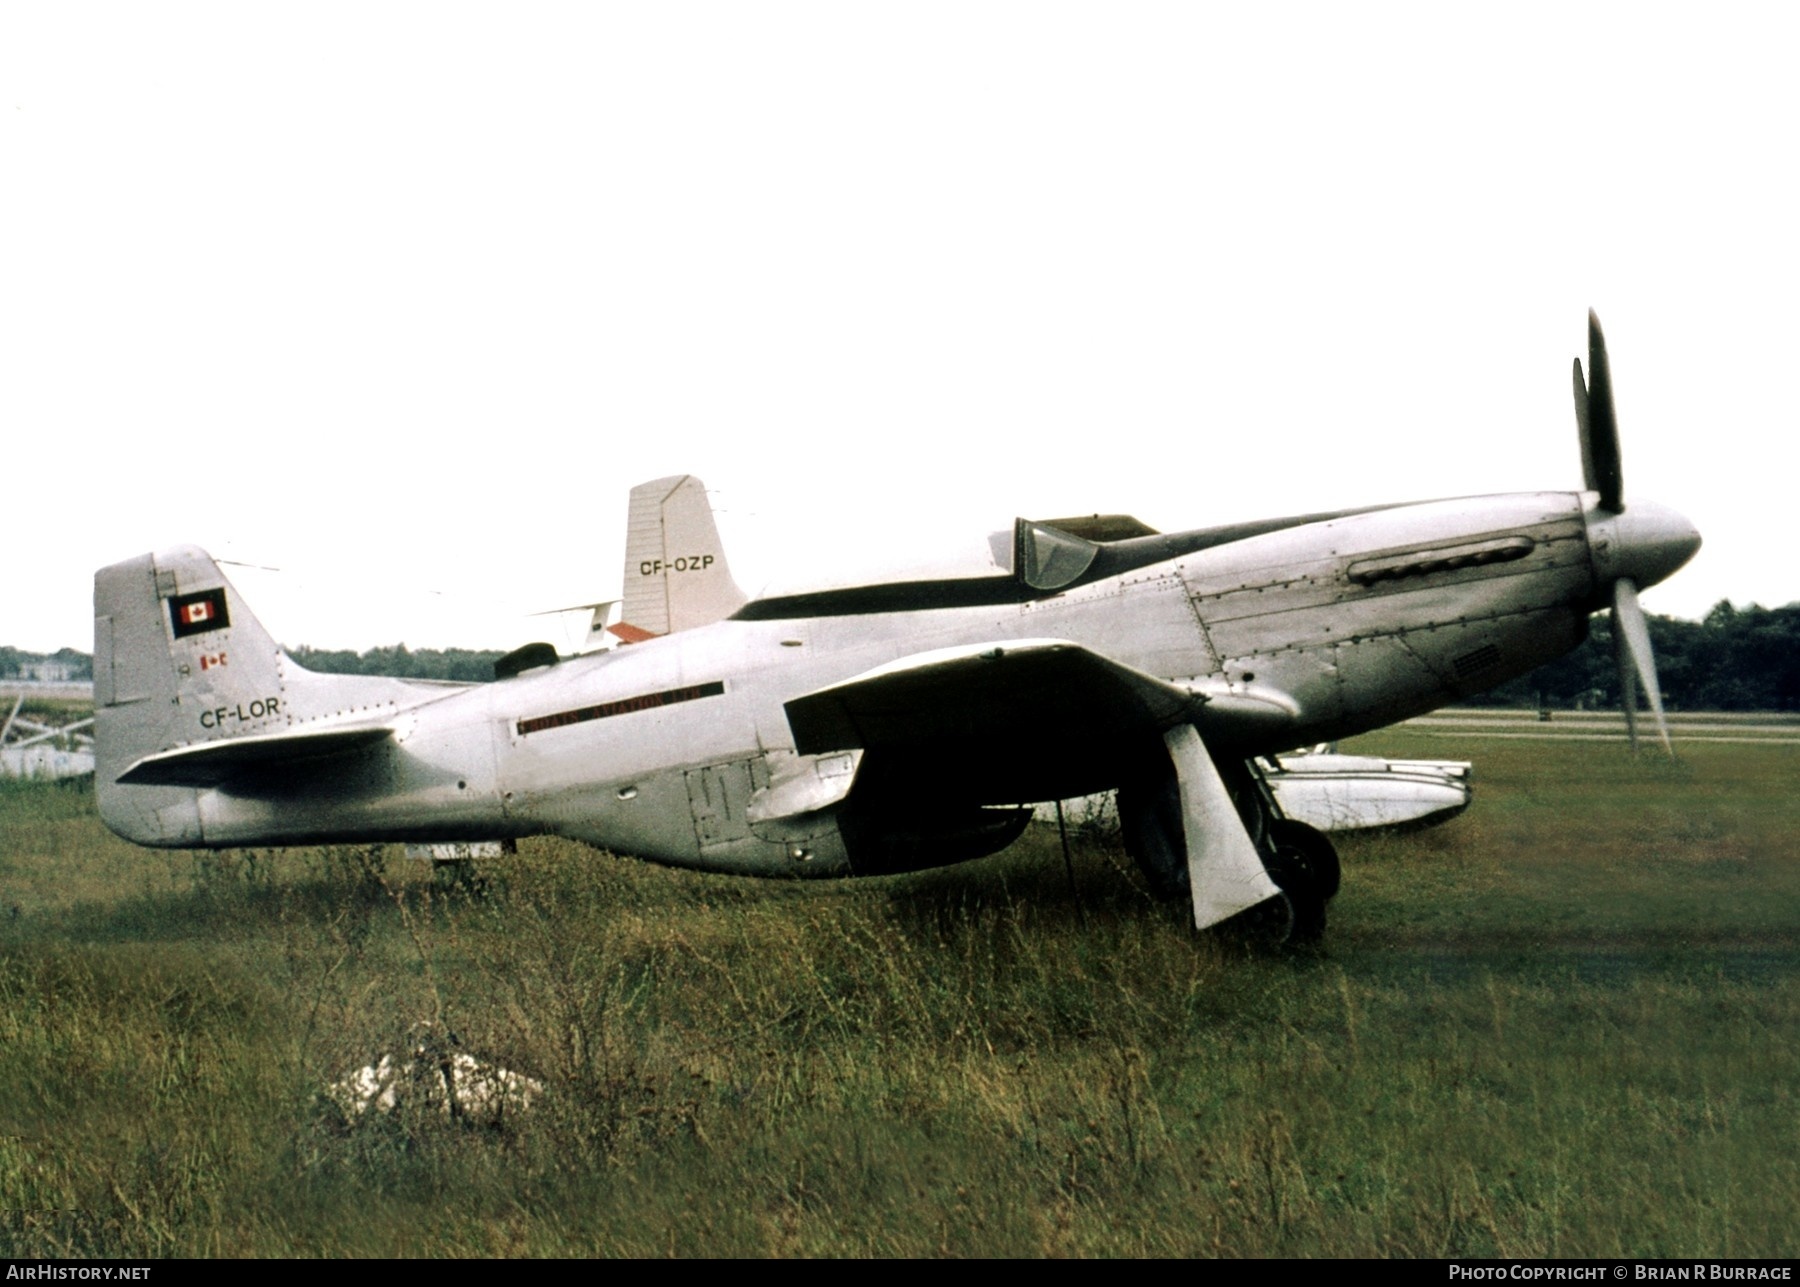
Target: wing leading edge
column 1028, row 699
column 1022, row 719
column 998, row 723
column 1039, row 719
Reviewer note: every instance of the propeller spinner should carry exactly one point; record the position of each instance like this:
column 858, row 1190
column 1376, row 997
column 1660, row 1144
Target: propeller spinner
column 1630, row 549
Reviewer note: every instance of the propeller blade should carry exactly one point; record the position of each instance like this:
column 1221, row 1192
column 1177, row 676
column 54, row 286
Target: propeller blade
column 1589, row 479
column 1601, row 468
column 1628, row 689
column 1631, row 640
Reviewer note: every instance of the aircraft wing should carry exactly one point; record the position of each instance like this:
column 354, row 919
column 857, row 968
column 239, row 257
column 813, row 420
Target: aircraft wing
column 1000, row 722
column 1045, row 719
column 211, row 763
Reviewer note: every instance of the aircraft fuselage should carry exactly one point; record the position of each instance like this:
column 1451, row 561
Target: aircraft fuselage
column 679, row 749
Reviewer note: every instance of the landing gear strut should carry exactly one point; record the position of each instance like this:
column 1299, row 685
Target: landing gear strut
column 1299, row 859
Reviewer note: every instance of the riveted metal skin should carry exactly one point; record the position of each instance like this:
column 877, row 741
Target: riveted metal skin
column 698, row 723
column 884, row 727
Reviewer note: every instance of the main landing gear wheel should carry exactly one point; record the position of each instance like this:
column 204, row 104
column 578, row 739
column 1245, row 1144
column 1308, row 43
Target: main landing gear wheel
column 1313, row 850
column 1150, row 826
column 1300, row 890
column 1304, row 867
column 1301, row 861
column 1294, row 917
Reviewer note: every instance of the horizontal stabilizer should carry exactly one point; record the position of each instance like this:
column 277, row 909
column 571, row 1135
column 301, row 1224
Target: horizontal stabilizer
column 598, row 608
column 211, row 763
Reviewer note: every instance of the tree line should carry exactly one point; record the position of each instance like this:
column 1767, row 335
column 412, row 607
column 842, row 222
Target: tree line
column 64, row 663
column 1734, row 659
column 397, row 660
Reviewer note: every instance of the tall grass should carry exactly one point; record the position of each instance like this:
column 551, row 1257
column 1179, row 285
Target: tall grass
column 1558, row 1026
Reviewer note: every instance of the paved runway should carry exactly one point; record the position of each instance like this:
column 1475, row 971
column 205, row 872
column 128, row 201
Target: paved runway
column 1607, row 726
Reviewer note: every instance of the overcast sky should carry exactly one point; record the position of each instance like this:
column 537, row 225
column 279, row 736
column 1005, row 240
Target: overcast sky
column 402, row 299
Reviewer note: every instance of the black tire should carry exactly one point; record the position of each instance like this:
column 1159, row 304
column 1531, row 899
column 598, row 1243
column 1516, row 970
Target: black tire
column 1151, row 828
column 1313, row 849
column 1295, row 916
column 1299, row 886
column 1303, row 865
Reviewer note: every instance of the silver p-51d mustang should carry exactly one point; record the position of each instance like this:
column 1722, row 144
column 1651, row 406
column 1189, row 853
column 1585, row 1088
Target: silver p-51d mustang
column 898, row 725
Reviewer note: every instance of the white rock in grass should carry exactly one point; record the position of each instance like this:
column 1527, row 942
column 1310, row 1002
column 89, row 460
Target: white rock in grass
column 441, row 1079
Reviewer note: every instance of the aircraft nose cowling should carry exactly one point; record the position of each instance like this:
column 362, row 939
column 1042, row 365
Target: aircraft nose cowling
column 1645, row 543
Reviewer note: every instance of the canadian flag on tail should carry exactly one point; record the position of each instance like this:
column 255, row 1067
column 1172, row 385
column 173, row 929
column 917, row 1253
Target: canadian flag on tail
column 193, row 614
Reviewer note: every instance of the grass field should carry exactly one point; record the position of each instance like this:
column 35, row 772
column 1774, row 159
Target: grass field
column 1561, row 1025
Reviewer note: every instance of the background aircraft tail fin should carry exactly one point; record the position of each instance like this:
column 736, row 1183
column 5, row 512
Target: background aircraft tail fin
column 676, row 576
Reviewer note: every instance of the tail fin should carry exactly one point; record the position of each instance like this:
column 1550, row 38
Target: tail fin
column 181, row 666
column 676, row 577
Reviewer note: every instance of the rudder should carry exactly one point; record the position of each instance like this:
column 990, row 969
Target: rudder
column 181, row 661
column 178, row 659
column 676, row 576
